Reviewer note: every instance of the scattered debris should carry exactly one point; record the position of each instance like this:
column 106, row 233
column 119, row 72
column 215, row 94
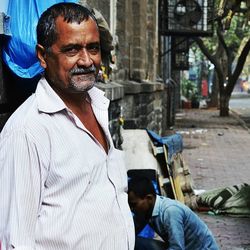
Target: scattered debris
column 197, row 131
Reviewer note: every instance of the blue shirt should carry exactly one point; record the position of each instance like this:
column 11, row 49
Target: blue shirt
column 178, row 225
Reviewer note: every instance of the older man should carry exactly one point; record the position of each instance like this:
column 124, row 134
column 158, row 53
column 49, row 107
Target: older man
column 62, row 183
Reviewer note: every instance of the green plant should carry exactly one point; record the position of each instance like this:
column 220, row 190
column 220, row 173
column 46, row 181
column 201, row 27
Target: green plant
column 189, row 89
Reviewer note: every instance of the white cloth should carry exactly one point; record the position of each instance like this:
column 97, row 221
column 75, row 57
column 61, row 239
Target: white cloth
column 58, row 187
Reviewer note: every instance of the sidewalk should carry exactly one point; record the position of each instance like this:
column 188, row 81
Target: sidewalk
column 216, row 149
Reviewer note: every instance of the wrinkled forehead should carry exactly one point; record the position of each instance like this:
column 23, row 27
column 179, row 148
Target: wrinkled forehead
column 86, row 30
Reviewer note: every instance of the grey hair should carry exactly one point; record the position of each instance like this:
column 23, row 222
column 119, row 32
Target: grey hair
column 71, row 12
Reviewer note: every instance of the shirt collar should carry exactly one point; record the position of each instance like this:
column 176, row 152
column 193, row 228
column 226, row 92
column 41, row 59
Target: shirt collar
column 98, row 99
column 47, row 99
column 50, row 102
column 156, row 209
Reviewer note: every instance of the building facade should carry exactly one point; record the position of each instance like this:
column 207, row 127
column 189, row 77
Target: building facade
column 135, row 85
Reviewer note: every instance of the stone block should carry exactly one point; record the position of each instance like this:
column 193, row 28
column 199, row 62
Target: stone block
column 131, row 124
column 143, row 121
column 150, row 107
column 138, row 52
column 143, row 109
column 148, row 87
column 131, row 87
column 138, row 74
column 113, row 90
column 146, row 97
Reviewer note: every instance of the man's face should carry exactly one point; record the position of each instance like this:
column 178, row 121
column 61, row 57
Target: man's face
column 140, row 206
column 73, row 61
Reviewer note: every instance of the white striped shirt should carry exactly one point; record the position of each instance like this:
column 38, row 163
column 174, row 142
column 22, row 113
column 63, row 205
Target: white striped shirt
column 58, row 187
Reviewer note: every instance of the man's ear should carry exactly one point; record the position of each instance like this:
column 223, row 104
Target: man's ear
column 41, row 54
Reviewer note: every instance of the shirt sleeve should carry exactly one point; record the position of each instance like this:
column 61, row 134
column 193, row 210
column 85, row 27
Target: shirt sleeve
column 20, row 190
column 173, row 222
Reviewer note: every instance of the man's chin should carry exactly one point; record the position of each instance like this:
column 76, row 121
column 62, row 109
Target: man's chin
column 82, row 83
column 82, row 87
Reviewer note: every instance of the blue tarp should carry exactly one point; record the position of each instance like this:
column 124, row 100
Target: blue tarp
column 19, row 50
column 174, row 143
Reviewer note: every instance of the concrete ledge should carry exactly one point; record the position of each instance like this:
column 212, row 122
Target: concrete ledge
column 148, row 87
column 131, row 87
column 160, row 86
column 113, row 91
column 117, row 90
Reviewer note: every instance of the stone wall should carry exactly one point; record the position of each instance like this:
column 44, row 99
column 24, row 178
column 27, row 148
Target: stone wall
column 123, row 49
column 144, row 101
column 139, row 40
column 152, row 50
column 139, row 105
column 143, row 106
column 102, row 6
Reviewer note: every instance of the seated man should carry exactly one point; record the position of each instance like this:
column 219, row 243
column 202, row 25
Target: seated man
column 176, row 223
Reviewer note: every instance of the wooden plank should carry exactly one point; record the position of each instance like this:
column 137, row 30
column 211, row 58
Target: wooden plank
column 169, row 172
column 177, row 180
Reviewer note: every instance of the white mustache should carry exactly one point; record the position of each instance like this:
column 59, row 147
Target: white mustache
column 91, row 69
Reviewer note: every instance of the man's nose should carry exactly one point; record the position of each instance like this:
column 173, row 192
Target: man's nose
column 84, row 58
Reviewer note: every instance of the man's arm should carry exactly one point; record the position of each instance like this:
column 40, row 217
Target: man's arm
column 174, row 228
column 20, row 190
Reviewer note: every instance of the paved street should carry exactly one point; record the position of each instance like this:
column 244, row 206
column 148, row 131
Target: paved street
column 216, row 150
column 241, row 105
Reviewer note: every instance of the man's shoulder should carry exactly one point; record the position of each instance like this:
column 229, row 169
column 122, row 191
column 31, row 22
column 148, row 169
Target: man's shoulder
column 22, row 117
column 165, row 202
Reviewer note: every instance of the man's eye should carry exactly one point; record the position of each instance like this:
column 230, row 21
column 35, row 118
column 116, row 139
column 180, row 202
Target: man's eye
column 93, row 49
column 71, row 52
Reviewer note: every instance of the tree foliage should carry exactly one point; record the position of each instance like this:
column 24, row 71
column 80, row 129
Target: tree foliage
column 227, row 50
